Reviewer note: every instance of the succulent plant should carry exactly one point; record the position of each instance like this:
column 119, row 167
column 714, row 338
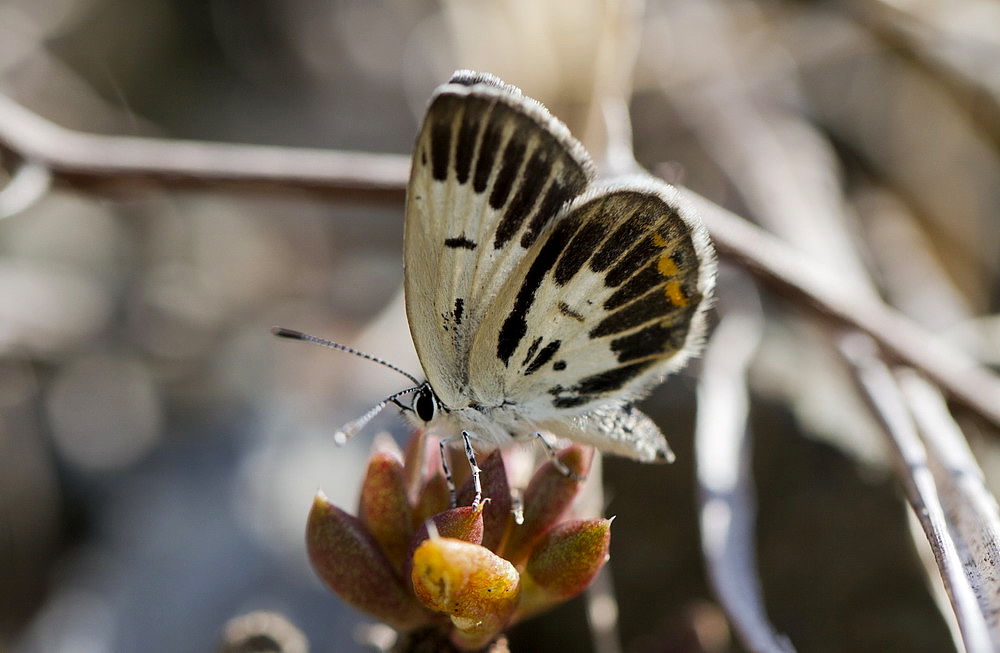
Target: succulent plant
column 458, row 576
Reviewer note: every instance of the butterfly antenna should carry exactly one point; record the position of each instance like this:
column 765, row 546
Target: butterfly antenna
column 348, row 430
column 292, row 334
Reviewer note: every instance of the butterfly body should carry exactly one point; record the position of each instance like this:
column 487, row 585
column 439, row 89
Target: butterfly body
column 537, row 298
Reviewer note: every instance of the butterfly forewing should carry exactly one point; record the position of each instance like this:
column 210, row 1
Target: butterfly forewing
column 491, row 171
column 607, row 303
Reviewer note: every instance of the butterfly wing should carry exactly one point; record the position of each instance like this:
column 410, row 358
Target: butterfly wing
column 615, row 428
column 603, row 307
column 491, row 168
column 536, row 300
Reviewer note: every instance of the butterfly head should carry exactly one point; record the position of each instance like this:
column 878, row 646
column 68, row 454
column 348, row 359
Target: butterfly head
column 425, row 403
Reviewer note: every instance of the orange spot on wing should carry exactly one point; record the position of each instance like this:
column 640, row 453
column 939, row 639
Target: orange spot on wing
column 666, row 266
column 675, row 294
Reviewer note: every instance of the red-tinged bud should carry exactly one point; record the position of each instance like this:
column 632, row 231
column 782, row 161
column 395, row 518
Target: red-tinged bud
column 416, row 463
column 493, row 477
column 384, row 508
column 476, row 588
column 547, row 498
column 462, row 523
column 433, row 498
column 565, row 561
column 347, row 558
column 385, row 444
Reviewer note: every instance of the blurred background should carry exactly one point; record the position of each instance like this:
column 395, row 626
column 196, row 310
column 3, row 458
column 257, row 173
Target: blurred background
column 159, row 449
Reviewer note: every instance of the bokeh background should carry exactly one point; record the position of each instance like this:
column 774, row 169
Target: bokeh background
column 159, row 449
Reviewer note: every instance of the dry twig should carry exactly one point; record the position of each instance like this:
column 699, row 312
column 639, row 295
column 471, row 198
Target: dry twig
column 100, row 163
column 965, row 579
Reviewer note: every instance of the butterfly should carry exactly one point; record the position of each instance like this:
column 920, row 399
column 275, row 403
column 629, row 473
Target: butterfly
column 538, row 298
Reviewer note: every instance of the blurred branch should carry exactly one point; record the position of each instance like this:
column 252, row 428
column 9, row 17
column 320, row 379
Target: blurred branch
column 974, row 518
column 99, row 163
column 917, row 282
column 737, row 240
column 780, row 164
column 727, row 504
column 113, row 163
column 958, row 51
column 27, row 185
column 964, row 584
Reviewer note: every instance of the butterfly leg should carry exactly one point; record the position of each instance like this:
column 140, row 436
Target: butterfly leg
column 554, row 457
column 471, row 455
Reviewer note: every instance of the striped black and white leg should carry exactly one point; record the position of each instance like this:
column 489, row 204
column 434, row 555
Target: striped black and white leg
column 471, row 456
column 554, row 457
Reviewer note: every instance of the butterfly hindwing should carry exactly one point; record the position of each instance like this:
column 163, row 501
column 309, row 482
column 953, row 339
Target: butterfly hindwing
column 615, row 428
column 605, row 305
column 491, row 170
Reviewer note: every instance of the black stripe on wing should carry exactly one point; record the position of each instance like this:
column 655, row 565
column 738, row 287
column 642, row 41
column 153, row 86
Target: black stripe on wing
column 597, row 385
column 511, row 150
column 515, row 326
column 647, row 264
column 544, row 356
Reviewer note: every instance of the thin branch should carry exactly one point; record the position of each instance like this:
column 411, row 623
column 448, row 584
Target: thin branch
column 973, row 515
column 741, row 242
column 28, row 184
column 727, row 504
column 917, row 479
column 101, row 163
column 113, row 163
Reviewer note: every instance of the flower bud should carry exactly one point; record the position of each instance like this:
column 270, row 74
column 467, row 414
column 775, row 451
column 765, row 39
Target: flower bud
column 416, row 463
column 462, row 523
column 547, row 498
column 476, row 587
column 566, row 560
column 432, row 499
column 347, row 558
column 384, row 508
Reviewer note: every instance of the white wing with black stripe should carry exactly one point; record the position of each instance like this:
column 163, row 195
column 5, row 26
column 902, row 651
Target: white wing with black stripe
column 537, row 299
column 603, row 307
column 491, row 170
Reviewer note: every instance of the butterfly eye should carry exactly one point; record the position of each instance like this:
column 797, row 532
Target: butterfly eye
column 424, row 404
